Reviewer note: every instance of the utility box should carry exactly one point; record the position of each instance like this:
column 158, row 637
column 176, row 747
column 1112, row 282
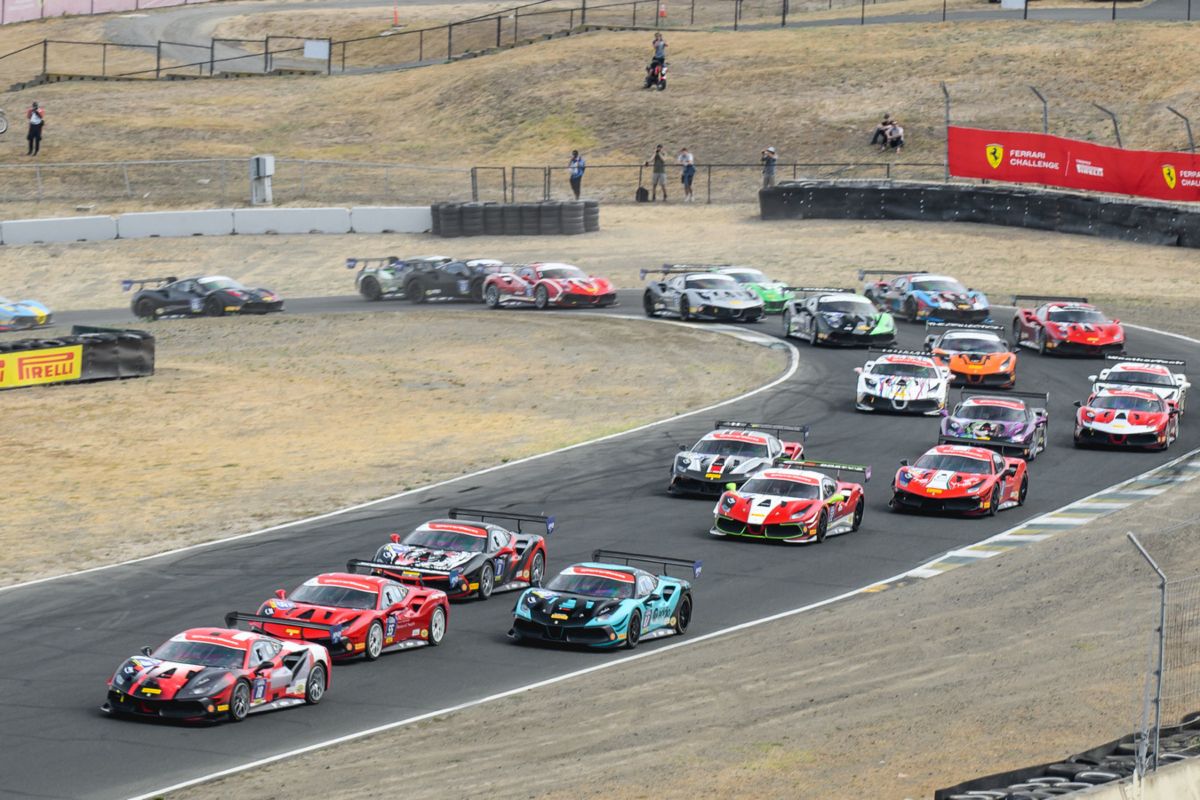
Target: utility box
column 261, row 170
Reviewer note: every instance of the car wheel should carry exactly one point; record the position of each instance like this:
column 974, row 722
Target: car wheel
column 374, row 641
column 437, row 626
column 858, row 516
column 993, row 506
column 491, row 297
column 370, row 289
column 633, row 633
column 683, row 616
column 1016, row 340
column 537, row 569
column 415, row 291
column 487, row 582
column 894, row 504
column 477, row 291
column 822, row 527
column 213, row 307
column 1041, row 341
column 314, row 688
column 541, row 298
column 812, row 334
column 1024, row 491
column 239, row 702
column 685, row 309
column 143, row 308
column 787, row 322
column 648, row 304
column 910, row 309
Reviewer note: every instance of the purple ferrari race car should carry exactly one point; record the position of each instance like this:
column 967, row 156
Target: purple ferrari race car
column 1002, row 422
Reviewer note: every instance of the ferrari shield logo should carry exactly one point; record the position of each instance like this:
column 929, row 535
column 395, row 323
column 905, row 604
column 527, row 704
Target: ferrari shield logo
column 995, row 155
column 1169, row 175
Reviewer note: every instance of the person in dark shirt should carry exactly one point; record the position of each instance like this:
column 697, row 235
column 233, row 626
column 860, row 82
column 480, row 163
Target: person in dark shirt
column 37, row 118
column 658, row 175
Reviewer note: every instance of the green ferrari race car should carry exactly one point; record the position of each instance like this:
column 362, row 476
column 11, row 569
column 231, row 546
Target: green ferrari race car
column 774, row 294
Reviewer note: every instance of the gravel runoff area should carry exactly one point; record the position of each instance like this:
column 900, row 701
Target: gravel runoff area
column 254, row 421
column 1017, row 660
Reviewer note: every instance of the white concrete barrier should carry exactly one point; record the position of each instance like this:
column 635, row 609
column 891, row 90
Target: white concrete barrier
column 291, row 220
column 1178, row 781
column 141, row 225
column 62, row 229
column 391, row 219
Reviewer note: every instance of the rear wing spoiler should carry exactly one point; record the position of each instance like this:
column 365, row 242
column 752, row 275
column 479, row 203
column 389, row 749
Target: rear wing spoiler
column 1166, row 362
column 379, row 261
column 484, row 515
column 1006, row 394
column 679, row 269
column 1047, row 298
column 820, row 290
column 406, row 574
column 129, row 283
column 964, row 325
column 770, row 427
column 863, row 273
column 836, row 466
column 234, row 617
column 892, row 351
column 662, row 561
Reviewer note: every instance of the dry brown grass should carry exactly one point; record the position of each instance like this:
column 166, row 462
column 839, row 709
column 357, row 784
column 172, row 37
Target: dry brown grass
column 349, row 23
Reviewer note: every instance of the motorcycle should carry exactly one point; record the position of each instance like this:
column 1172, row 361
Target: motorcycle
column 656, row 75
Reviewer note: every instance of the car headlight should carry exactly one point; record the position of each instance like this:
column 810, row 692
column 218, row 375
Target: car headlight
column 683, row 463
column 207, row 683
column 1008, row 363
column 530, row 600
column 870, row 383
column 728, row 502
column 904, row 476
column 607, row 612
column 801, row 516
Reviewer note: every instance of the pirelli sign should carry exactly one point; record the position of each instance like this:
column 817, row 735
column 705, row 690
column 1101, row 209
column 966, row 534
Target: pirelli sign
column 48, row 365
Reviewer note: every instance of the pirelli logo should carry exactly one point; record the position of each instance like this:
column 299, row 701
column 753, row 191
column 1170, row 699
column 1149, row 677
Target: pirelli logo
column 32, row 367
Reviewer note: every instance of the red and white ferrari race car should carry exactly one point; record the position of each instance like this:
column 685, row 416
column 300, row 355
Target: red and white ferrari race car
column 369, row 614
column 1066, row 326
column 962, row 480
column 1148, row 375
column 1126, row 417
column 548, row 284
column 207, row 674
column 792, row 503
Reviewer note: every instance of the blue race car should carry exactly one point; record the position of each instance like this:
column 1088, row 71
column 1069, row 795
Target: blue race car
column 607, row 603
column 19, row 315
column 921, row 297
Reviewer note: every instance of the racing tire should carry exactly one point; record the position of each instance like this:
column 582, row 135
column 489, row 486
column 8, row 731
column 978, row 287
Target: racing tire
column 314, row 687
column 213, row 307
column 662, row 85
column 822, row 527
column 491, row 297
column 374, row 644
column 787, row 323
column 1041, row 348
column 910, row 310
column 371, row 290
column 648, row 304
column 437, row 626
column 685, row 309
column 993, row 506
column 239, row 702
column 415, row 292
column 894, row 504
column 537, row 569
column 683, row 616
column 858, row 516
column 1016, row 340
column 633, row 634
column 476, row 291
column 487, row 582
column 144, row 308
column 812, row 335
column 541, row 298
column 1024, row 490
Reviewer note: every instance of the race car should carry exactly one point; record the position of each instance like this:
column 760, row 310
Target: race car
column 465, row 555
column 372, row 615
column 905, row 381
column 731, row 454
column 380, row 277
column 543, row 285
column 921, row 297
column 20, row 315
column 1005, row 423
column 697, row 292
column 774, row 294
column 607, row 603
column 960, row 480
column 1146, row 374
column 1126, row 417
column 209, row 295
column 793, row 503
column 836, row 316
column 977, row 355
column 425, row 278
column 208, row 674
column 1065, row 326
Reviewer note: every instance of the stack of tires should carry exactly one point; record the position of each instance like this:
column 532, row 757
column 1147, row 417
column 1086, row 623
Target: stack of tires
column 548, row 218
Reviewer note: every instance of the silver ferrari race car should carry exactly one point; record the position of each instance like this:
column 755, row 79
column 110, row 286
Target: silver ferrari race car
column 695, row 291
column 731, row 454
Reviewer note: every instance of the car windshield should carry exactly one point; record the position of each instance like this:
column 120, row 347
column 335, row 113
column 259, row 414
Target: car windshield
column 954, row 463
column 989, row 412
column 973, row 344
column 846, row 306
column 1089, row 315
column 1124, row 402
column 782, row 488
column 334, row 596
column 711, row 282
column 907, row 370
column 220, row 283
column 749, row 276
column 446, row 540
column 938, row 285
column 564, row 272
column 1139, row 377
column 202, row 654
column 730, row 447
column 591, row 585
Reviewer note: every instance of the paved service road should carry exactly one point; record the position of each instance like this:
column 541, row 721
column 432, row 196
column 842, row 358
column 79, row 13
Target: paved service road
column 65, row 637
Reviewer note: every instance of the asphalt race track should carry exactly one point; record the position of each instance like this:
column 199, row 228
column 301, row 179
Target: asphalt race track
column 64, row 638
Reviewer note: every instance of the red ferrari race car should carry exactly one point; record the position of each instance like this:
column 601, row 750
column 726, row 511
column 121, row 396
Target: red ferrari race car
column 963, row 480
column 208, row 674
column 1066, row 326
column 543, row 285
column 370, row 615
column 1126, row 417
column 792, row 503
column 465, row 554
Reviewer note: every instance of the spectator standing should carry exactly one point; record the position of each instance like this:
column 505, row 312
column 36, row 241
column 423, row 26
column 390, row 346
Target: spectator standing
column 768, row 167
column 658, row 175
column 895, row 137
column 688, row 162
column 880, row 135
column 37, row 119
column 575, row 168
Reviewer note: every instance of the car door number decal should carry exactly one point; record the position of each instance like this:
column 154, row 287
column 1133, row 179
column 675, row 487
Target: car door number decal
column 390, row 631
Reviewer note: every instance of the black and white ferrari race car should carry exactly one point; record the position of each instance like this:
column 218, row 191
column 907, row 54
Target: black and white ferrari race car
column 698, row 292
column 207, row 295
column 731, row 454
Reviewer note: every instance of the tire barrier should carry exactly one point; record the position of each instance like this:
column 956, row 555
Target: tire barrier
column 88, row 354
column 1109, row 762
column 1113, row 218
column 549, row 218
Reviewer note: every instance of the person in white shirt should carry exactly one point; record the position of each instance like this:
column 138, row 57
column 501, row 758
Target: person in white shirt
column 688, row 174
column 37, row 118
column 895, row 137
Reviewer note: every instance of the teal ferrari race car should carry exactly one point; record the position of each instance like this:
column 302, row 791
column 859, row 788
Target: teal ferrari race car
column 607, row 603
column 774, row 294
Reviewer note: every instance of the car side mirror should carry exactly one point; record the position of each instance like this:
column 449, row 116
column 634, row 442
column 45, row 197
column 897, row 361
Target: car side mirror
column 683, row 448
column 1010, row 471
column 281, row 594
column 858, row 370
column 838, row 498
column 1092, row 378
column 904, row 462
column 264, row 666
column 654, row 596
column 945, row 412
column 146, row 651
column 1078, row 404
column 731, row 487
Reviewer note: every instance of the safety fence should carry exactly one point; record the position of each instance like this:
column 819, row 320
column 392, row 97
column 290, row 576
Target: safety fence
column 26, row 10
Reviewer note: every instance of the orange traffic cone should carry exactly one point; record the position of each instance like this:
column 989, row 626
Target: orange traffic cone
column 396, row 15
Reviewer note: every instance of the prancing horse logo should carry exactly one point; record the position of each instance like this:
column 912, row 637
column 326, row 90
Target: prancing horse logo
column 995, row 155
column 1169, row 175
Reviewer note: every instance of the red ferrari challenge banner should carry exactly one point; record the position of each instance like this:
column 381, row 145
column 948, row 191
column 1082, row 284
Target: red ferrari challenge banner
column 1018, row 157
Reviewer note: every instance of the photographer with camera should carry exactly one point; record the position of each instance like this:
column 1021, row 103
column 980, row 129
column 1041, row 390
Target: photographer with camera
column 768, row 167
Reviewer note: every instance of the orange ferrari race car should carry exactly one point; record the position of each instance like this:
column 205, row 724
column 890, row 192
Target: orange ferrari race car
column 977, row 355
